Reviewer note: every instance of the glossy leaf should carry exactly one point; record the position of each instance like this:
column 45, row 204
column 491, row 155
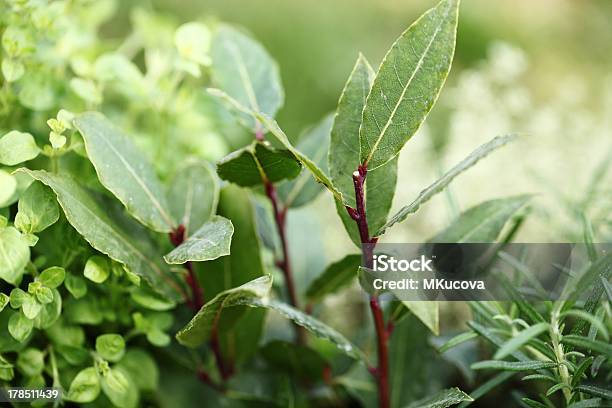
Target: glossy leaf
column 314, row 143
column 125, row 171
column 193, row 195
column 14, row 255
column 17, row 147
column 344, row 156
column 440, row 184
column 443, row 399
column 199, row 329
column 211, row 241
column 37, row 209
column 88, row 216
column 483, row 222
column 256, row 164
column 336, row 276
column 408, row 83
column 244, row 70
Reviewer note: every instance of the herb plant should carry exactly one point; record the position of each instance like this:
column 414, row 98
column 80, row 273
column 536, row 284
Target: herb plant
column 131, row 250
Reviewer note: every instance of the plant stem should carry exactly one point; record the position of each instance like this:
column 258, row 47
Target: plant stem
column 285, row 262
column 555, row 336
column 177, row 237
column 359, row 215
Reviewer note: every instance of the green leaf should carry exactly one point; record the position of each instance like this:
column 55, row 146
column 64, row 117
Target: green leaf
column 272, row 126
column 110, row 346
column 408, row 83
column 76, row 286
column 513, row 365
column 4, row 300
column 52, row 277
column 483, row 222
column 142, row 368
column 556, row 388
column 37, row 209
column 199, row 329
column 193, row 195
column 6, row 369
column 44, row 295
column 440, row 184
column 14, row 255
column 532, row 403
column 18, row 298
column 125, row 171
column 242, row 68
column 595, row 391
column 8, row 187
column 85, row 387
column 148, row 299
column 50, row 312
column 193, row 42
column 539, row 377
column 344, row 156
column 581, row 314
column 336, row 276
column 587, row 344
column 314, row 143
column 12, row 69
column 17, row 147
column 587, row 403
column 518, row 340
column 97, row 269
column 426, row 312
column 458, row 339
column 31, row 362
column 257, row 164
column 210, row 242
column 20, row 327
column 31, row 307
column 90, row 218
column 407, row 380
column 443, row 399
column 578, row 373
column 311, row 324
column 119, row 387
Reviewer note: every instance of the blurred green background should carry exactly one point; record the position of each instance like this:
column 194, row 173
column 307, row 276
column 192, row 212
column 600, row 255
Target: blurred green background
column 316, row 43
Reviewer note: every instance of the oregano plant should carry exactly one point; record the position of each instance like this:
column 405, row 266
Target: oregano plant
column 145, row 255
